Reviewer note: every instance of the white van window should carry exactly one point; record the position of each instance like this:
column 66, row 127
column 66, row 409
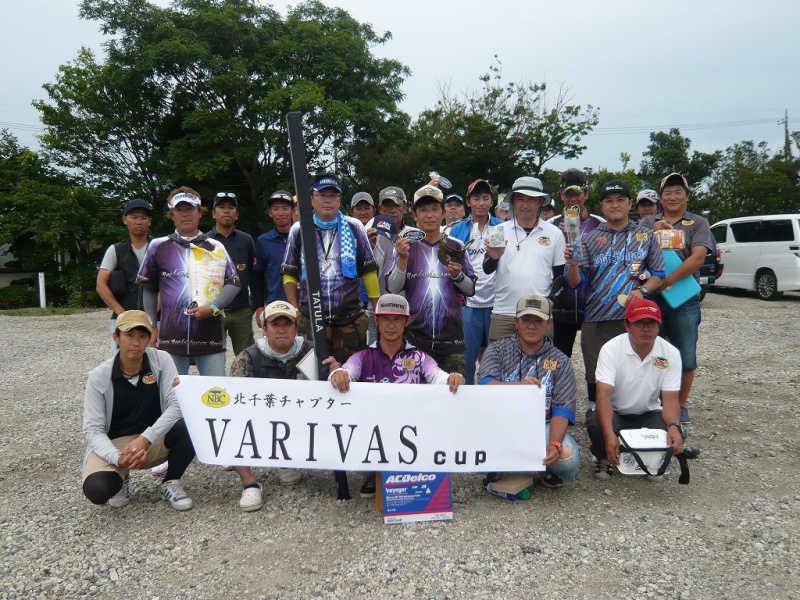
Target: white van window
column 720, row 233
column 779, row 230
column 746, row 232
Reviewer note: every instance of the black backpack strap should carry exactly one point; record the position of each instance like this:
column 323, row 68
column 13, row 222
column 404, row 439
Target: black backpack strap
column 635, row 453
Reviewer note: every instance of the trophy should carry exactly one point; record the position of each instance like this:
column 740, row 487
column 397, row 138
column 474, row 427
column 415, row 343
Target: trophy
column 572, row 225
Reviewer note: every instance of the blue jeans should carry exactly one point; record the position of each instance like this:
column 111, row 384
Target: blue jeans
column 476, row 322
column 566, row 468
column 679, row 326
column 207, row 364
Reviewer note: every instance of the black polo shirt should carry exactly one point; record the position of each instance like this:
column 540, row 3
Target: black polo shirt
column 136, row 407
column 242, row 250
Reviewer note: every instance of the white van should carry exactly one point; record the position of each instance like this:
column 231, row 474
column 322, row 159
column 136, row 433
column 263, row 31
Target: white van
column 760, row 253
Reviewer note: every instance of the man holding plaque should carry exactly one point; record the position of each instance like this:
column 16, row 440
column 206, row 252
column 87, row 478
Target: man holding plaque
column 196, row 279
column 530, row 358
column 433, row 272
column 680, row 324
column 345, row 260
column 528, row 257
column 477, row 309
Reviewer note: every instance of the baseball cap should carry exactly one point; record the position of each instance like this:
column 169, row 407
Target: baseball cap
column 572, row 177
column 538, row 306
column 187, row 197
column 393, row 193
column 385, row 227
column 530, row 186
column 362, row 197
column 454, row 198
column 392, row 304
column 276, row 309
column 615, row 186
column 642, row 309
column 281, row 196
column 478, row 186
column 673, row 179
column 132, row 319
column 326, row 180
column 225, row 196
column 647, row 196
column 140, row 204
column 428, row 191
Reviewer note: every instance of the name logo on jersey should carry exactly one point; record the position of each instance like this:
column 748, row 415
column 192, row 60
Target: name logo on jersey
column 620, row 256
column 659, row 362
column 550, row 365
column 544, row 240
column 687, row 222
column 149, row 378
column 241, row 266
column 602, row 240
column 641, row 237
column 409, row 363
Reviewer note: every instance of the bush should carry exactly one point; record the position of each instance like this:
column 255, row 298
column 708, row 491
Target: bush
column 18, row 296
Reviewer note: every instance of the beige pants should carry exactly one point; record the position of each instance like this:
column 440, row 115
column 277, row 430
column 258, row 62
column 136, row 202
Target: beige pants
column 156, row 455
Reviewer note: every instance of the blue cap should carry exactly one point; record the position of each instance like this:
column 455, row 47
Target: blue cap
column 140, row 204
column 385, row 226
column 325, row 181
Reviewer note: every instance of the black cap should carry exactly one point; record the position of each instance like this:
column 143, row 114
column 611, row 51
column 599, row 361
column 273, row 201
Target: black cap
column 615, row 186
column 454, row 198
column 225, row 197
column 140, row 204
column 280, row 196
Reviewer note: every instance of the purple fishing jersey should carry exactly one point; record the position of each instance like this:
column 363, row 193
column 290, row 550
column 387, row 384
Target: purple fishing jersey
column 410, row 365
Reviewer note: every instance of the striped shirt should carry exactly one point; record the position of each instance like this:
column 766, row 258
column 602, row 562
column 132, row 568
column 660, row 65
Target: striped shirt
column 608, row 259
column 505, row 361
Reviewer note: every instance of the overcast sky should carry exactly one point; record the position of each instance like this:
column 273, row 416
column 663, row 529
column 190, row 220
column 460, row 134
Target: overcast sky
column 722, row 71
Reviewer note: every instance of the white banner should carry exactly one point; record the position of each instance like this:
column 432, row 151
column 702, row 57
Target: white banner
column 373, row 427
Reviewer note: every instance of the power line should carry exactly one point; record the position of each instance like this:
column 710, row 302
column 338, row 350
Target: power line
column 638, row 129
column 21, row 126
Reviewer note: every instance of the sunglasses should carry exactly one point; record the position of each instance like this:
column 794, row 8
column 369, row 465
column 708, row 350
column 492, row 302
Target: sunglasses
column 226, row 195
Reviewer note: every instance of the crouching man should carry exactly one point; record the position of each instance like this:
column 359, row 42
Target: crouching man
column 274, row 356
column 131, row 418
column 391, row 360
column 633, row 370
column 530, row 358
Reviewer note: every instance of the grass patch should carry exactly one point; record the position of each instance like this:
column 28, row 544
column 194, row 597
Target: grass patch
column 45, row 312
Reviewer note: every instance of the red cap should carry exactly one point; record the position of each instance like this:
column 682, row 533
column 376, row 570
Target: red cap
column 642, row 309
column 477, row 182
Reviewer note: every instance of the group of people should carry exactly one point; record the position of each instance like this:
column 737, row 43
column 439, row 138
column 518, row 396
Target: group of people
column 479, row 299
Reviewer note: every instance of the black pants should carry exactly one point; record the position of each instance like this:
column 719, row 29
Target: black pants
column 100, row 487
column 564, row 335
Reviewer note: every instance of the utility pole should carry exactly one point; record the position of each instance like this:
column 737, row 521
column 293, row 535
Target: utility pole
column 787, row 145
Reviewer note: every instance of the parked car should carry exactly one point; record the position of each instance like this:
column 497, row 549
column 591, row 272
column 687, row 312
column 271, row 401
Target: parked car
column 711, row 269
column 760, row 253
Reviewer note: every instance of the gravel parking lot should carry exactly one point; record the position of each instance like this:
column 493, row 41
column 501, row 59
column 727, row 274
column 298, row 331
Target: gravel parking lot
column 731, row 533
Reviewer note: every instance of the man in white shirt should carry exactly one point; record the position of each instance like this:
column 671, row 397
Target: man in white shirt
column 532, row 257
column 634, row 370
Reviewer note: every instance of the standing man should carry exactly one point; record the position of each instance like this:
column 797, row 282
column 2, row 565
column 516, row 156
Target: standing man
column 362, row 207
column 681, row 324
column 613, row 257
column 131, row 419
column 238, row 318
column 453, row 209
column 634, row 370
column 391, row 360
column 196, row 279
column 116, row 279
column 270, row 248
column 477, row 310
column 646, row 203
column 529, row 358
column 532, row 257
column 433, row 287
column 568, row 308
column 345, row 260
column 393, row 204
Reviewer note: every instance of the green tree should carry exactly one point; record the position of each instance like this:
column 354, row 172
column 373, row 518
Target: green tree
column 750, row 180
column 668, row 152
column 50, row 223
column 212, row 81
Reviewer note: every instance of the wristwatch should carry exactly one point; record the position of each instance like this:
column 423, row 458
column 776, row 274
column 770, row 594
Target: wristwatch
column 644, row 290
column 215, row 310
column 676, row 424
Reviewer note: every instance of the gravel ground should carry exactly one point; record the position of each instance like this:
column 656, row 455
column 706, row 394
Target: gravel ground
column 731, row 533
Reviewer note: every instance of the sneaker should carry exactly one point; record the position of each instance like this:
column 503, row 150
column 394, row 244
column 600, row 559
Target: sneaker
column 691, row 451
column 655, row 478
column 685, row 418
column 122, row 497
column 602, row 469
column 368, row 488
column 225, row 468
column 175, row 494
column 289, row 476
column 160, row 470
column 551, row 480
column 251, row 498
